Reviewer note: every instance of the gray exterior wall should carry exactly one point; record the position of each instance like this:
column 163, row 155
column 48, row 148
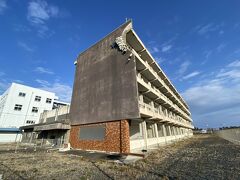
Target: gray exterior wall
column 105, row 86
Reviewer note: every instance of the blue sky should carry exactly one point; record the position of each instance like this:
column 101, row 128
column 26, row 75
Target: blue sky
column 197, row 44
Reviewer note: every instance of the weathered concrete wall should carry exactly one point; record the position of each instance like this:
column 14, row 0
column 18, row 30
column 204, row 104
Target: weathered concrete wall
column 105, row 87
column 116, row 137
column 59, row 114
column 232, row 135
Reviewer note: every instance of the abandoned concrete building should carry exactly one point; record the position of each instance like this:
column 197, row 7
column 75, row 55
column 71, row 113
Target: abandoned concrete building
column 53, row 128
column 122, row 101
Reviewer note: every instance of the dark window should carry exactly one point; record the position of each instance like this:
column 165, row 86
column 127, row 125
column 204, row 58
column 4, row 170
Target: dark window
column 18, row 107
column 30, row 122
column 21, row 94
column 38, row 98
column 92, row 133
column 35, row 109
column 48, row 100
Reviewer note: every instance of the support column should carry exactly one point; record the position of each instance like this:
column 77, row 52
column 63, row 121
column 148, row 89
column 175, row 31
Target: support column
column 156, row 129
column 144, row 130
column 156, row 132
column 56, row 114
column 31, row 137
column 152, row 105
column 164, row 133
column 141, row 98
column 160, row 109
column 169, row 128
column 164, row 130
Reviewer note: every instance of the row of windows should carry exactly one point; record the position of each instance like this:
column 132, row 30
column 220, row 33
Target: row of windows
column 37, row 98
column 30, row 122
column 22, row 94
column 18, row 107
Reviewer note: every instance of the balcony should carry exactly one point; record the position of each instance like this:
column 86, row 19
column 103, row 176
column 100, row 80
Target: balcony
column 152, row 74
column 156, row 95
column 148, row 111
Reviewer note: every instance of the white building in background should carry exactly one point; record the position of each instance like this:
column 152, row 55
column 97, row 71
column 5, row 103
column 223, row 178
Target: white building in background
column 22, row 105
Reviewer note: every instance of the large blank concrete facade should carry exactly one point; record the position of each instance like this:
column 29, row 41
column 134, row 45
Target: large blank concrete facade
column 122, row 94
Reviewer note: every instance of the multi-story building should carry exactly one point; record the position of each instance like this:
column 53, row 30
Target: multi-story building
column 122, row 100
column 22, row 105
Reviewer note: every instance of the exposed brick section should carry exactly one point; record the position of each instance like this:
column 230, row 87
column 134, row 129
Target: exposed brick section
column 116, row 138
column 125, row 137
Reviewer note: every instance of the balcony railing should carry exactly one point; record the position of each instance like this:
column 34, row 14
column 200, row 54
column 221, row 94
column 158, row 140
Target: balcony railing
column 149, row 86
column 156, row 113
column 145, row 63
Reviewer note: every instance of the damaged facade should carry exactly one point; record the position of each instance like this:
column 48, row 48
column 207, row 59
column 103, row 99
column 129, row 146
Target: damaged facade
column 122, row 100
column 53, row 128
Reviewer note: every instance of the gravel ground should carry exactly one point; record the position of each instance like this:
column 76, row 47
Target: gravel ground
column 200, row 157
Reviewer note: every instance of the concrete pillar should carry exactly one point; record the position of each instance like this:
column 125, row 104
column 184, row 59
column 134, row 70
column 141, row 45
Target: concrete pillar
column 156, row 129
column 156, row 132
column 160, row 109
column 56, row 114
column 144, row 130
column 169, row 128
column 31, row 137
column 141, row 98
column 152, row 105
column 164, row 133
column 166, row 112
column 164, row 130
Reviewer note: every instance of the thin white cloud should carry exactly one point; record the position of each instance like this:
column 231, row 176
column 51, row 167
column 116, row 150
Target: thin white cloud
column 159, row 60
column 166, row 48
column 208, row 53
column 42, row 83
column 153, row 49
column 25, row 46
column 3, row 6
column 63, row 91
column 232, row 74
column 183, row 67
column 206, row 28
column 43, row 70
column 212, row 99
column 191, row 75
column 220, row 47
column 235, row 63
column 39, row 12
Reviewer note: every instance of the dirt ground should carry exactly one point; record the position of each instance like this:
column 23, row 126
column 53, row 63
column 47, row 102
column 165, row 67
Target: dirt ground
column 200, row 157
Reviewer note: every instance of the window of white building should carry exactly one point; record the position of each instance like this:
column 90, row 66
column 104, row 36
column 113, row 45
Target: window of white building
column 21, row 94
column 18, row 107
column 38, row 98
column 35, row 109
column 30, row 122
column 48, row 100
